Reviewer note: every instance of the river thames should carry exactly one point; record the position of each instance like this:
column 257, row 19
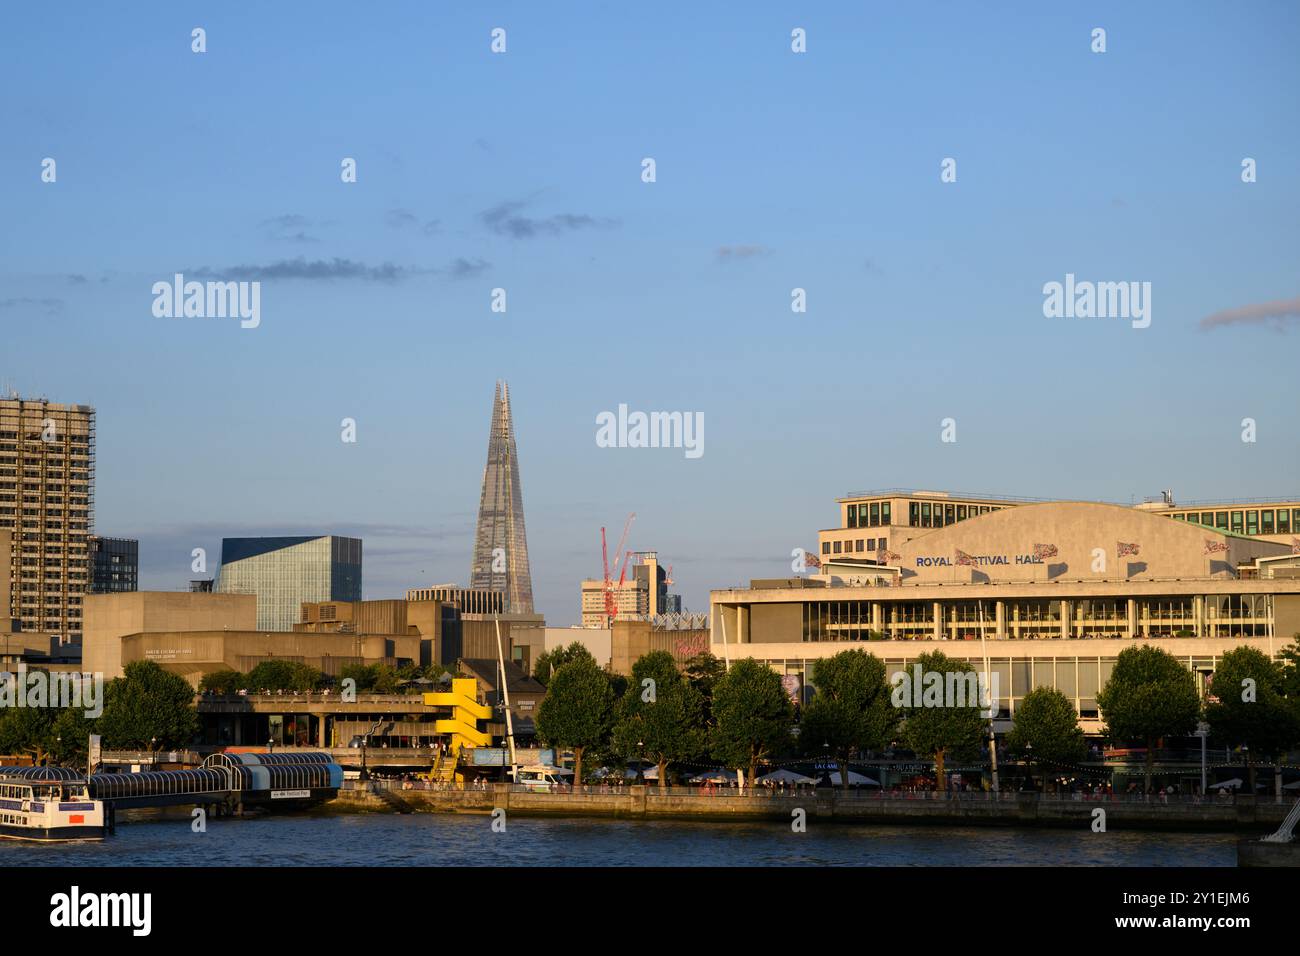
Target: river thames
column 468, row 840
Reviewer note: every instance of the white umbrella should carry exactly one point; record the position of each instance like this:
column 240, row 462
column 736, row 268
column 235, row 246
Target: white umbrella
column 1234, row 783
column 855, row 779
column 718, row 776
column 785, row 776
column 1295, row 785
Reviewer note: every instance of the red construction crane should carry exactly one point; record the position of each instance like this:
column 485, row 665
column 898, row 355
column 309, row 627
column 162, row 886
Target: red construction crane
column 611, row 604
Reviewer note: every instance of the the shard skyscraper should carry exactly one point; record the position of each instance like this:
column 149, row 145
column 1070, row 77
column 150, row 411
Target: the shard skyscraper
column 501, row 545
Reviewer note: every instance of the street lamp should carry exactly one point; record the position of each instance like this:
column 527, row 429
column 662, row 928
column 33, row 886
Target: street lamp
column 1203, row 731
column 153, row 751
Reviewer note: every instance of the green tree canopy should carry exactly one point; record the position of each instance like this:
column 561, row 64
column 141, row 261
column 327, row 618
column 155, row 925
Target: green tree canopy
column 660, row 716
column 276, row 674
column 947, row 723
column 28, row 731
column 148, row 705
column 225, row 681
column 703, row 671
column 578, row 709
column 752, row 716
column 851, row 710
column 1046, row 728
column 1251, row 709
column 548, row 662
column 1150, row 695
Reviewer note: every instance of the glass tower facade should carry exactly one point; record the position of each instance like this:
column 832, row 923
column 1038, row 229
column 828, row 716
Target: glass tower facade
column 285, row 572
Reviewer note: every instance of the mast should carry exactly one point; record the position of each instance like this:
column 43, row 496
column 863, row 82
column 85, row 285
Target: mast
column 505, row 694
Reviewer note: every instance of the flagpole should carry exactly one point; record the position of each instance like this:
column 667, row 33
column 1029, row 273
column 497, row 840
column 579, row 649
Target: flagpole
column 988, row 684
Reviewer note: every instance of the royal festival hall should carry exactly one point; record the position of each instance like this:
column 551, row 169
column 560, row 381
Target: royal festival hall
column 1056, row 589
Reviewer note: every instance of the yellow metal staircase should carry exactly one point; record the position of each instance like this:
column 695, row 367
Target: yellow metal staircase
column 462, row 725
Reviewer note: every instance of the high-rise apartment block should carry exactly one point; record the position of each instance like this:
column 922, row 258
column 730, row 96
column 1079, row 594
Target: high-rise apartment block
column 47, row 482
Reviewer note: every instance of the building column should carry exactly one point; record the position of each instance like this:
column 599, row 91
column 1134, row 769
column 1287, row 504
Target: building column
column 322, row 740
column 1067, row 628
column 876, row 616
column 1132, row 617
column 940, row 628
column 742, row 624
column 1198, row 613
column 1000, row 620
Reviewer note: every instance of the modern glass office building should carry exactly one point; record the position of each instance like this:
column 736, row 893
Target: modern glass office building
column 114, row 565
column 286, row 572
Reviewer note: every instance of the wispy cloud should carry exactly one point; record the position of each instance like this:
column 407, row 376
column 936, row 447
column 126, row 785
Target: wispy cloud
column 49, row 306
column 1280, row 312
column 730, row 253
column 508, row 219
column 405, row 219
column 400, row 218
column 312, row 270
column 289, row 227
column 345, row 270
column 461, row 268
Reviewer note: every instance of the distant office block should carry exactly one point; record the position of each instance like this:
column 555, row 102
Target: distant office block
column 114, row 565
column 287, row 572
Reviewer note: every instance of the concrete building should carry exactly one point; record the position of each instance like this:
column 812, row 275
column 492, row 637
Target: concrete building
column 450, row 634
column 481, row 601
column 195, row 653
column 111, row 618
column 632, row 639
column 1056, row 589
column 47, row 494
column 114, row 564
column 286, row 572
column 873, row 523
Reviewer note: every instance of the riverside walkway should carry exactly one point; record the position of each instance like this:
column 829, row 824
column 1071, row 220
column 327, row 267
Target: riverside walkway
column 955, row 808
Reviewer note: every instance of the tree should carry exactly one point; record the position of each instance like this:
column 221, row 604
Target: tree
column 276, row 674
column 752, row 716
column 703, row 671
column 1251, row 710
column 387, row 680
column 27, row 730
column 943, row 724
column 149, row 707
column 1046, row 726
column 851, row 710
column 548, row 662
column 1150, row 695
column 577, row 710
column 660, row 715
column 71, row 733
column 224, row 681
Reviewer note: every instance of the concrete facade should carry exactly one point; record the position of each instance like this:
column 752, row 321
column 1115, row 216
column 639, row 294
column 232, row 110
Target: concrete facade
column 1050, row 587
column 111, row 617
column 194, row 653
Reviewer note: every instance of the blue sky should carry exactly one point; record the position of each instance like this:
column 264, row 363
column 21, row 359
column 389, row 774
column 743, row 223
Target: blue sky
column 522, row 171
